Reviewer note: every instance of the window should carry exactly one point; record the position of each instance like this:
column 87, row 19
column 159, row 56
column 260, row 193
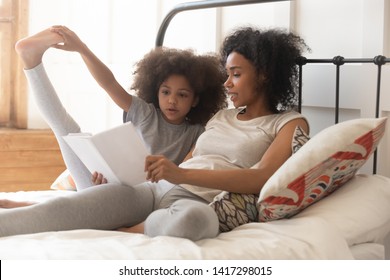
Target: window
column 13, row 25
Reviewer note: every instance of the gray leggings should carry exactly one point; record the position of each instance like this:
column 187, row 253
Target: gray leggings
column 167, row 209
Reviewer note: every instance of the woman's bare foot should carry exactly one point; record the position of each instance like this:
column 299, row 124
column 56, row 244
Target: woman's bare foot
column 5, row 203
column 134, row 229
column 31, row 49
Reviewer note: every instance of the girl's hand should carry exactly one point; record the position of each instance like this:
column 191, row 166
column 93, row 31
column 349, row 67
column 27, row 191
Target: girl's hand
column 98, row 178
column 159, row 167
column 71, row 41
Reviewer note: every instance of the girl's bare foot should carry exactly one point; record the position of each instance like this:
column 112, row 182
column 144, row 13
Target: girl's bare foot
column 31, row 49
column 5, row 203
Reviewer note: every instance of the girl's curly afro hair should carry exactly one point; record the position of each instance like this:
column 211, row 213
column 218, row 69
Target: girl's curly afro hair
column 203, row 72
column 274, row 54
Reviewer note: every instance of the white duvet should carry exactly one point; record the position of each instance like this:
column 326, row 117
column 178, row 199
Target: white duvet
column 304, row 238
column 316, row 233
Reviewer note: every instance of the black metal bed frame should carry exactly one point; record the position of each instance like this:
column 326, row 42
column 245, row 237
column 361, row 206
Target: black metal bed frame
column 338, row 61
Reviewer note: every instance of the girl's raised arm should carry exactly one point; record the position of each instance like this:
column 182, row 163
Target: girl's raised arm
column 101, row 73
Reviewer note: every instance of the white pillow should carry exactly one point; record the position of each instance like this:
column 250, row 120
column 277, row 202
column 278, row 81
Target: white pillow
column 64, row 182
column 326, row 162
column 360, row 209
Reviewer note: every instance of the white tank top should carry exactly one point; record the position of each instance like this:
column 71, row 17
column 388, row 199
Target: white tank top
column 229, row 143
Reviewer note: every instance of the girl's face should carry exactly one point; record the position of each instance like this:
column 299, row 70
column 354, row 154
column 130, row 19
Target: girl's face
column 176, row 98
column 242, row 81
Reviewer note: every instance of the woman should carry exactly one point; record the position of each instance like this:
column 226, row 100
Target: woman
column 240, row 149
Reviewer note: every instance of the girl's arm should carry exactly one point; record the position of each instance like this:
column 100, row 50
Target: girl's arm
column 237, row 180
column 101, row 73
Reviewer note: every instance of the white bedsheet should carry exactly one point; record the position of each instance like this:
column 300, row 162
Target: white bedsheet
column 352, row 223
column 297, row 238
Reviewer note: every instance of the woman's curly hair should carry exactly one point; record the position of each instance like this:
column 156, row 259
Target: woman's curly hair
column 203, row 72
column 274, row 53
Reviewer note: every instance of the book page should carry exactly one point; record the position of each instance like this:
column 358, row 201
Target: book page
column 90, row 156
column 126, row 155
column 121, row 154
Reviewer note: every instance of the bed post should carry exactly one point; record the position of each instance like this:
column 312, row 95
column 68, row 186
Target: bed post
column 300, row 61
column 379, row 60
column 338, row 61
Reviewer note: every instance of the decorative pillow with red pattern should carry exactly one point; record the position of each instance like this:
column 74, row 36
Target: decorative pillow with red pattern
column 324, row 164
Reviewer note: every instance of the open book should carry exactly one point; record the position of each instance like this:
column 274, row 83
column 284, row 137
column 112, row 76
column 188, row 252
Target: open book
column 117, row 153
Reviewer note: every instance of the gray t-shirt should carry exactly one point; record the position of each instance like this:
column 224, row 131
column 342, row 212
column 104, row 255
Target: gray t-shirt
column 162, row 138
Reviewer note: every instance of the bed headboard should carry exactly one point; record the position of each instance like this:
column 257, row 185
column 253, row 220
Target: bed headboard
column 198, row 6
column 338, row 61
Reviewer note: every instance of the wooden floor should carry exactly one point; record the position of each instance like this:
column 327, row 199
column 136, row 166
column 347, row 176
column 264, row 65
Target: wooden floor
column 29, row 160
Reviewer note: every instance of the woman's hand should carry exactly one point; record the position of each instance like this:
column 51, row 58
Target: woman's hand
column 159, row 167
column 98, row 179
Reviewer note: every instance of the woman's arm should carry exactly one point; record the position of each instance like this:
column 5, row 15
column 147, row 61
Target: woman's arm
column 101, row 73
column 237, row 180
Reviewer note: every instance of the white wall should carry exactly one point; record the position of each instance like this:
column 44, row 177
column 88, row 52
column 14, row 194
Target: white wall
column 121, row 31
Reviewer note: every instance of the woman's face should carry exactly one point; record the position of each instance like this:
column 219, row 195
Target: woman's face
column 242, row 80
column 176, row 98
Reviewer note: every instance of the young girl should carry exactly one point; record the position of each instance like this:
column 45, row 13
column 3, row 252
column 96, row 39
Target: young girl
column 178, row 92
column 238, row 152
